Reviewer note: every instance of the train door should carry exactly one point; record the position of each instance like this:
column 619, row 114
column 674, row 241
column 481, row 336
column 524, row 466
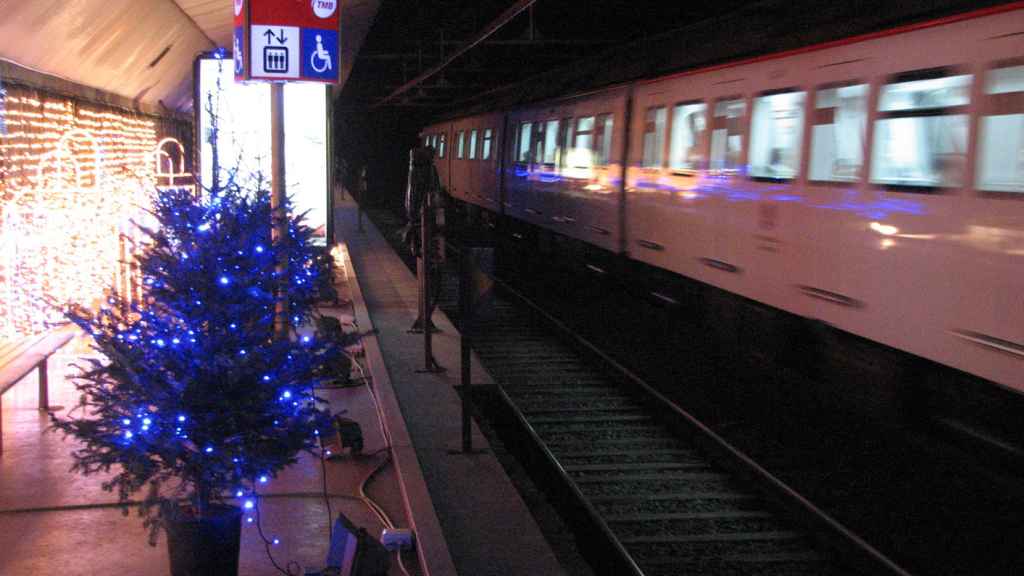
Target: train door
column 590, row 162
column 517, row 167
column 490, row 136
column 672, row 197
column 460, row 177
column 988, row 318
column 730, row 196
column 545, row 188
column 766, row 213
column 839, row 105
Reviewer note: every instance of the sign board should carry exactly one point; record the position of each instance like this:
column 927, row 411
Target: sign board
column 287, row 40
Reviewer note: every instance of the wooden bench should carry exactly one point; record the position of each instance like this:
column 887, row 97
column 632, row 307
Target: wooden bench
column 18, row 358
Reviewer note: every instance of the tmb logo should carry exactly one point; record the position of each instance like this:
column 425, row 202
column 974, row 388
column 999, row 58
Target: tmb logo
column 322, row 8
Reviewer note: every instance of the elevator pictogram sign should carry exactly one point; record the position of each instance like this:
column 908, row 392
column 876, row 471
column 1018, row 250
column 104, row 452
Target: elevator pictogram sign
column 287, row 40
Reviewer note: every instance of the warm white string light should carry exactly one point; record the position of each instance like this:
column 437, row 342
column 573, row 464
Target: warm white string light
column 72, row 180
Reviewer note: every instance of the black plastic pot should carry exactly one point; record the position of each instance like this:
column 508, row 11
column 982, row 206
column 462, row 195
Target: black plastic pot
column 207, row 546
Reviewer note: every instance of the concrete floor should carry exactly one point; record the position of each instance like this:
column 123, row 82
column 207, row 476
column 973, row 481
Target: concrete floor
column 56, row 522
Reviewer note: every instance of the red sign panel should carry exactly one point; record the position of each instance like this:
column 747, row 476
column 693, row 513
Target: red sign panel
column 300, row 13
column 287, row 40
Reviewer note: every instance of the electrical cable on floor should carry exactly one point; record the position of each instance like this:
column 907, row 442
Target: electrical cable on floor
column 327, row 498
column 267, row 543
column 370, row 503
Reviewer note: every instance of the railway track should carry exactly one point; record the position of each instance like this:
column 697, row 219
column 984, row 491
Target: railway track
column 647, row 488
column 652, row 491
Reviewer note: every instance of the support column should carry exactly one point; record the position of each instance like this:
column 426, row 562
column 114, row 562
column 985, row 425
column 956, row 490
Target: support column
column 44, row 386
column 277, row 204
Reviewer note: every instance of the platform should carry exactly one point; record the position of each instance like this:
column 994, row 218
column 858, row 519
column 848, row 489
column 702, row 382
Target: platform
column 467, row 500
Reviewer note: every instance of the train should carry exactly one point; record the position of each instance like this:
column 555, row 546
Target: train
column 874, row 184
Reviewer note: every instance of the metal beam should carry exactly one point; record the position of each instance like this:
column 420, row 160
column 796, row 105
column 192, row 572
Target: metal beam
column 490, row 29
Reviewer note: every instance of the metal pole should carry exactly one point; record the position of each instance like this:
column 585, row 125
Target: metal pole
column 466, row 343
column 425, row 251
column 44, row 386
column 361, row 186
column 277, row 204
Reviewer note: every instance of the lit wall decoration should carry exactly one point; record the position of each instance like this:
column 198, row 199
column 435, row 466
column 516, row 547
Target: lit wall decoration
column 72, row 178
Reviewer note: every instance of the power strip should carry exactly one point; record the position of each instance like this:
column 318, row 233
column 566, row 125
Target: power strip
column 396, row 539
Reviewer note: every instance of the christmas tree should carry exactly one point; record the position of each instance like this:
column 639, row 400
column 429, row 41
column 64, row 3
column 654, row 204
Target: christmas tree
column 194, row 399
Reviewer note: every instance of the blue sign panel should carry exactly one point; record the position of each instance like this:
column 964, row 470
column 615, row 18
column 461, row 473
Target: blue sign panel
column 238, row 53
column 320, row 54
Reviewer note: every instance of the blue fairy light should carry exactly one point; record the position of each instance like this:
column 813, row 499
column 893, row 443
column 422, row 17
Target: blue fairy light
column 249, row 520
column 224, row 280
column 259, row 249
column 233, row 326
column 204, row 226
column 266, row 378
column 238, row 494
column 249, row 505
column 128, row 434
column 181, row 417
column 276, row 541
column 146, row 421
column 286, row 394
column 264, row 479
column 209, row 450
column 126, row 422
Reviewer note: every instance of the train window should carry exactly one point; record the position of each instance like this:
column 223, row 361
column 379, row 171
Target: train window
column 488, row 136
column 440, row 145
column 776, row 132
column 538, row 144
column 460, row 145
column 525, row 131
column 567, row 126
column 603, row 139
column 921, row 133
column 1001, row 132
column 654, row 137
column 837, row 135
column 727, row 134
column 551, row 150
column 472, row 145
column 688, row 140
column 581, row 152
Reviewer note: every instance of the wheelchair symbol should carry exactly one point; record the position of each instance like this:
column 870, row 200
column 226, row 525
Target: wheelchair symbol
column 239, row 62
column 320, row 59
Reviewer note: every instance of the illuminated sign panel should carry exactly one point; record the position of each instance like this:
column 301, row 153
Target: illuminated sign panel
column 287, row 40
column 243, row 120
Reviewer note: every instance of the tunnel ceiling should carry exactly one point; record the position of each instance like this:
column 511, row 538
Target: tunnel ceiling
column 141, row 50
column 441, row 58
